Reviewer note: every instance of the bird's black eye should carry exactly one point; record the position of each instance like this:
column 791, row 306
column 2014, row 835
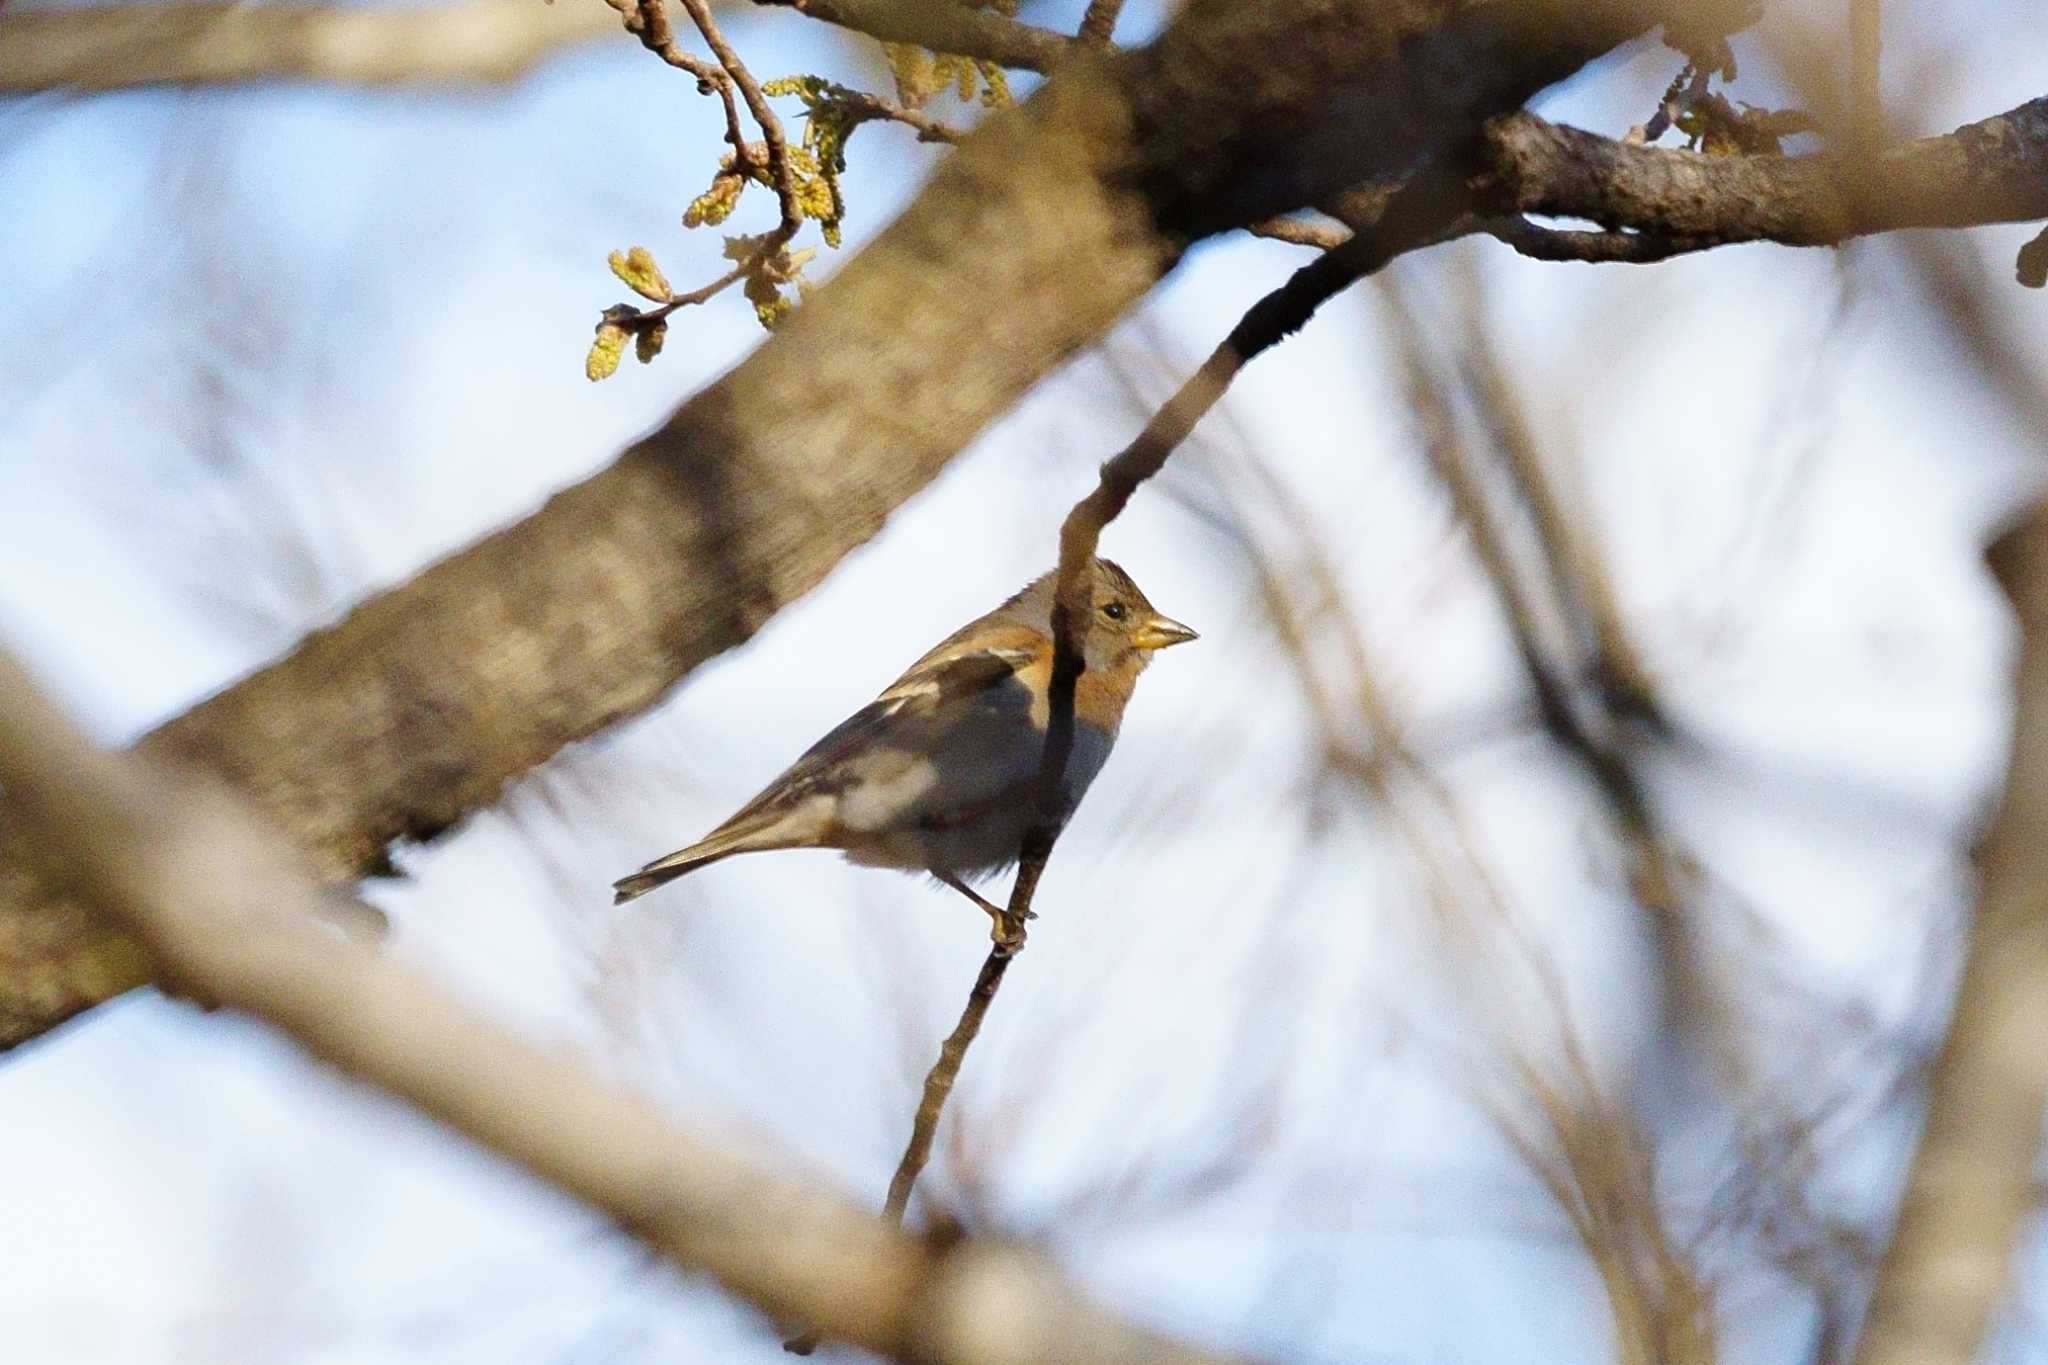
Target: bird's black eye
column 1115, row 611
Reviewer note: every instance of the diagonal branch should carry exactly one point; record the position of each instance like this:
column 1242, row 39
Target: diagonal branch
column 116, row 47
column 1577, row 570
column 1098, row 25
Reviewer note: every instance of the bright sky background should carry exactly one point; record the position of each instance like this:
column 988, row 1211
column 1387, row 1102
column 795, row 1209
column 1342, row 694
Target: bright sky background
column 263, row 352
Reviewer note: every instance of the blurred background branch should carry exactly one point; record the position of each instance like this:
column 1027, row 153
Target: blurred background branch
column 115, row 47
column 970, row 30
column 1950, row 1263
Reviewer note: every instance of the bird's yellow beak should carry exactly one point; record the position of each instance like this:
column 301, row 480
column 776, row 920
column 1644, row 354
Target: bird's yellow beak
column 1161, row 632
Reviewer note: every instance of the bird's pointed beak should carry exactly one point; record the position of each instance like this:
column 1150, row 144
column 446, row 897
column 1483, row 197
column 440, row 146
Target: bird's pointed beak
column 1163, row 631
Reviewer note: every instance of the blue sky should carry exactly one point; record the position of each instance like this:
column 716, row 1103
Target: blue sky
column 263, row 352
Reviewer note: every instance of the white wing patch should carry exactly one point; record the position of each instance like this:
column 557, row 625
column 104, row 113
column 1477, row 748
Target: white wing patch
column 885, row 799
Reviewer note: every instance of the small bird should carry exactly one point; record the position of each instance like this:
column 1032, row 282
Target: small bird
column 939, row 773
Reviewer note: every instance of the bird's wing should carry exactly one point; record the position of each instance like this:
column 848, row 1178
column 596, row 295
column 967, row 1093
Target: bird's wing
column 957, row 729
column 956, row 732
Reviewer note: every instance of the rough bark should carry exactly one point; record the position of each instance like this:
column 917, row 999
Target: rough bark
column 1991, row 171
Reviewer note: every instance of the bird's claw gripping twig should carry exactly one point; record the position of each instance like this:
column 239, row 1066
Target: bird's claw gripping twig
column 1007, row 933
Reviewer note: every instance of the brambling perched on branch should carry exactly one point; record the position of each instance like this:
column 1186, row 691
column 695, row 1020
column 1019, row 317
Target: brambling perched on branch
column 938, row 774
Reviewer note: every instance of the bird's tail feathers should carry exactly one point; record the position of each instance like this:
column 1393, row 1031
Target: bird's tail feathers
column 662, row 871
column 752, row 836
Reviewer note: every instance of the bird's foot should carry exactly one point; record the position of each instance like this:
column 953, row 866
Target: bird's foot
column 1008, row 934
column 1004, row 928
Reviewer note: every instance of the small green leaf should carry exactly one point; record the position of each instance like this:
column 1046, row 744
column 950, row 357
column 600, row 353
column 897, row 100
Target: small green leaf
column 641, row 275
column 716, row 204
column 605, row 352
column 995, row 86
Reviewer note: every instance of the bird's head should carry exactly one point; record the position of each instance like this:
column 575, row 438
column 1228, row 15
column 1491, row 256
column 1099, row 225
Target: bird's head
column 1124, row 629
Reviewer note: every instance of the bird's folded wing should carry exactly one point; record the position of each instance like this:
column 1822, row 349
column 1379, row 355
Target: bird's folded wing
column 955, row 731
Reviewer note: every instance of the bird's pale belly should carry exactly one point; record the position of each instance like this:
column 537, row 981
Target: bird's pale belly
column 979, row 847
column 980, row 841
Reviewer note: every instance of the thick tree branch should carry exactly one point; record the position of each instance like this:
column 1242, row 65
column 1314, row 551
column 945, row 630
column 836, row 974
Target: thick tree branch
column 1436, row 62
column 114, row 47
column 231, row 912
column 1949, row 1264
column 1993, row 171
column 1655, row 203
column 420, row 706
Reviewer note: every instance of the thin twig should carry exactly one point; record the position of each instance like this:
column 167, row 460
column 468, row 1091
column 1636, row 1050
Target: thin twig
column 779, row 170
column 1420, row 212
column 701, row 294
column 1556, row 701
column 648, row 20
column 939, row 1083
column 1537, row 243
column 1578, row 572
column 1098, row 25
column 867, row 107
